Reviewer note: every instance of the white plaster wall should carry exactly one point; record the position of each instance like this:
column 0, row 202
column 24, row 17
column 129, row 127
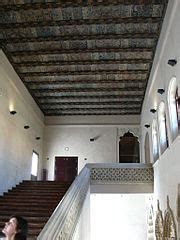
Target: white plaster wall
column 82, row 231
column 77, row 138
column 16, row 143
column 167, row 167
column 118, row 216
column 167, row 178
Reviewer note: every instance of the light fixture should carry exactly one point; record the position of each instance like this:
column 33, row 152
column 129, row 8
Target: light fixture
column 38, row 138
column 160, row 91
column 172, row 62
column 13, row 112
column 26, row 127
column 153, row 110
column 147, row 125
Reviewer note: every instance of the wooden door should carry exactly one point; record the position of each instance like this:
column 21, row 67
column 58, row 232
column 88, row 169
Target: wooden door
column 66, row 168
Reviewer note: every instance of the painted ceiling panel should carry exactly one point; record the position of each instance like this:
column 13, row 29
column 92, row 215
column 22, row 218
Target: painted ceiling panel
column 82, row 57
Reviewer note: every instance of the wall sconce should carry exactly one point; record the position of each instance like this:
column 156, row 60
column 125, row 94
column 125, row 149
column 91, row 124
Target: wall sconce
column 13, row 112
column 172, row 62
column 160, row 91
column 26, row 127
column 153, row 110
column 38, row 138
column 92, row 139
column 147, row 125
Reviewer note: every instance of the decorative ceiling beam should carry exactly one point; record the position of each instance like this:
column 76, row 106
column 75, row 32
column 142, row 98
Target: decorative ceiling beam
column 93, row 90
column 86, row 78
column 4, row 6
column 85, row 62
column 89, row 104
column 101, row 93
column 80, row 108
column 117, row 108
column 95, row 98
column 86, row 86
column 82, row 44
column 68, row 51
column 25, row 68
column 60, row 104
column 61, row 73
column 67, row 82
column 80, row 22
column 21, row 39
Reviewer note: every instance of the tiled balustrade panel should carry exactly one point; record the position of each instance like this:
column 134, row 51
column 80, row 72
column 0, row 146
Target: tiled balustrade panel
column 122, row 174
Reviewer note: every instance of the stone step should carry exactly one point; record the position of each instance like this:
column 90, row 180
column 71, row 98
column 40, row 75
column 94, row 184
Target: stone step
column 26, row 212
column 53, row 183
column 35, row 201
column 25, row 207
column 27, row 193
column 26, row 204
column 30, row 196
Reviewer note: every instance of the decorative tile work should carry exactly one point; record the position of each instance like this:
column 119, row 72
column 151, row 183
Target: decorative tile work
column 122, row 175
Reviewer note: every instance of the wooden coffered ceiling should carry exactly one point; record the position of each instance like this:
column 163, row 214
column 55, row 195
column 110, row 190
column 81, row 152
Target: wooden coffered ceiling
column 82, row 57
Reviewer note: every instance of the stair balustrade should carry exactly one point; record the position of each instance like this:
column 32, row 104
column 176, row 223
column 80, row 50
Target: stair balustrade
column 62, row 223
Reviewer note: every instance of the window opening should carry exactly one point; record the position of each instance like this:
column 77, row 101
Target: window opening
column 34, row 166
column 163, row 138
column 173, row 107
column 155, row 140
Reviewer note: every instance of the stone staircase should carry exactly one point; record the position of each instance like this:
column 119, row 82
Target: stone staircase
column 34, row 200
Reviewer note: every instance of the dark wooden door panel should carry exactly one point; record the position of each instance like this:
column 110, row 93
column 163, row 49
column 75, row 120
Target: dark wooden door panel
column 66, row 168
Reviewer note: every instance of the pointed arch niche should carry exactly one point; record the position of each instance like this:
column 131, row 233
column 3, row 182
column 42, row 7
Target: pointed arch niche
column 129, row 148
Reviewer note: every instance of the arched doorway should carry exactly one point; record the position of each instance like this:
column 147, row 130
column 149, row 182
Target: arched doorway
column 129, row 149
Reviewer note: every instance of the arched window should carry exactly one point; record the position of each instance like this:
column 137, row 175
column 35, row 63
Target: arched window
column 129, row 149
column 173, row 111
column 155, row 140
column 163, row 138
